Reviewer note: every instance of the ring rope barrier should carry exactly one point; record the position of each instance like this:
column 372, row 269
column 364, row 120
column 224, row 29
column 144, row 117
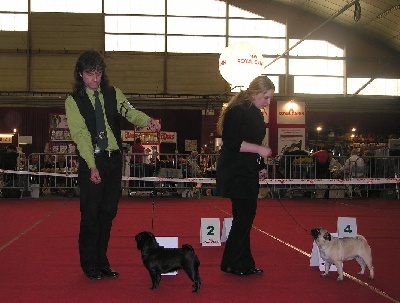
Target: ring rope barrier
column 213, row 180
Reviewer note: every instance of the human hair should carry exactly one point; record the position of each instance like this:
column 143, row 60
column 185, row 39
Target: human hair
column 354, row 152
column 138, row 140
column 89, row 61
column 244, row 98
column 11, row 148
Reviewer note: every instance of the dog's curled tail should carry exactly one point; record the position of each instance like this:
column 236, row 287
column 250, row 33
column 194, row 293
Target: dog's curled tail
column 187, row 247
column 362, row 238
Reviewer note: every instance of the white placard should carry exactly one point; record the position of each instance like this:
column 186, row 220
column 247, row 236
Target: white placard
column 226, row 228
column 25, row 139
column 168, row 242
column 346, row 227
column 210, row 232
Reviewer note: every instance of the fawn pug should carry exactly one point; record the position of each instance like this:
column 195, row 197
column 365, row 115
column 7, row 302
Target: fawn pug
column 336, row 250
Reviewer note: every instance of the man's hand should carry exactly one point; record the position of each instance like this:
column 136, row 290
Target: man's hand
column 154, row 125
column 95, row 175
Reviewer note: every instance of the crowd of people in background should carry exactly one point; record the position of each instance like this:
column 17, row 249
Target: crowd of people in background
column 335, row 161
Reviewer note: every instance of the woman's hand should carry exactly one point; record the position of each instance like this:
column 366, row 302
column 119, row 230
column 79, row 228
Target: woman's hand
column 264, row 151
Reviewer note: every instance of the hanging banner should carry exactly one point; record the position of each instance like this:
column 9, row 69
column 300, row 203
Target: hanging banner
column 58, row 121
column 25, row 139
column 190, row 145
column 4, row 138
column 168, row 137
column 289, row 136
column 291, row 112
column 128, row 135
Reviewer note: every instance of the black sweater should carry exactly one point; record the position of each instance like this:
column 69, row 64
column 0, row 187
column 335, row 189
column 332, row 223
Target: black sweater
column 237, row 172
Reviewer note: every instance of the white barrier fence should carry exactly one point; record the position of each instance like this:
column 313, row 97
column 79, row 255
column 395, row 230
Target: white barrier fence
column 196, row 171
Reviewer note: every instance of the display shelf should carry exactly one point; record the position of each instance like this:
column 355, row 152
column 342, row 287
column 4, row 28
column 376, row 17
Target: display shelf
column 60, row 141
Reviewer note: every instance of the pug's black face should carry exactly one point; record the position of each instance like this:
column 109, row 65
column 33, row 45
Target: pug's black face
column 316, row 232
column 145, row 239
column 327, row 236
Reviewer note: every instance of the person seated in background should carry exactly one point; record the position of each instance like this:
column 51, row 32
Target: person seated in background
column 34, row 163
column 9, row 158
column 138, row 149
column 62, row 165
column 322, row 160
column 289, row 157
column 34, row 166
column 193, row 167
column 354, row 165
column 137, row 165
column 8, row 161
column 335, row 168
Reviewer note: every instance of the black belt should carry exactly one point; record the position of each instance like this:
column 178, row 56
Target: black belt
column 108, row 153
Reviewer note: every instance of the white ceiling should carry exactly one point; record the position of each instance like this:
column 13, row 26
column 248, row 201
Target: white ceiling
column 379, row 18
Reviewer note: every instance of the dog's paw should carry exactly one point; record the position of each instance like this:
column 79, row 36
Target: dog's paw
column 324, row 275
column 196, row 288
column 339, row 279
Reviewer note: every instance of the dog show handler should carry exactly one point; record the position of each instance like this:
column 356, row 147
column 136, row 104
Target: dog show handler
column 93, row 112
column 242, row 126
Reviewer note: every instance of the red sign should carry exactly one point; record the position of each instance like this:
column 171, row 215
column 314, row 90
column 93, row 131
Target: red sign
column 168, row 137
column 128, row 135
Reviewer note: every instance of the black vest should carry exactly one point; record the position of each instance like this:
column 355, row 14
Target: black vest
column 87, row 111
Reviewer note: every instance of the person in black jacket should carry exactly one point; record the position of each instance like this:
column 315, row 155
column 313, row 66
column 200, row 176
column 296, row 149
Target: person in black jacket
column 243, row 129
column 9, row 158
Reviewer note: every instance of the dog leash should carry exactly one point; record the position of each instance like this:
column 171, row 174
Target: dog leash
column 291, row 216
column 152, row 210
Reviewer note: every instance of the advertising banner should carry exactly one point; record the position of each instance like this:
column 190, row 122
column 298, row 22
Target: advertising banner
column 290, row 112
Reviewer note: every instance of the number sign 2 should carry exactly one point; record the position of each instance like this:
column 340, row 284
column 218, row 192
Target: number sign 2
column 210, row 232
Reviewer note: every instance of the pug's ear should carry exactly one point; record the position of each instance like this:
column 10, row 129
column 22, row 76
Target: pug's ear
column 327, row 236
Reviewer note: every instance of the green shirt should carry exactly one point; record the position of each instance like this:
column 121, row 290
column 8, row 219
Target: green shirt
column 80, row 133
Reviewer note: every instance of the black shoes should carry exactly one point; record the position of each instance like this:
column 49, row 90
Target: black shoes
column 230, row 270
column 94, row 274
column 253, row 271
column 98, row 274
column 256, row 271
column 109, row 272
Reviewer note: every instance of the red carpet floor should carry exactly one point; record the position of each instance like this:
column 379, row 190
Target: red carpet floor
column 39, row 259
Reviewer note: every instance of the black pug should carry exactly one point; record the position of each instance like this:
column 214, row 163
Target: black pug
column 159, row 260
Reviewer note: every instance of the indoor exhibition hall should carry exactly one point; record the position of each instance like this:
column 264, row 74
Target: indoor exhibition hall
column 199, row 151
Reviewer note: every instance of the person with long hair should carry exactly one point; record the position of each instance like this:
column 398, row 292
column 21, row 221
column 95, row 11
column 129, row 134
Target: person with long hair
column 242, row 127
column 93, row 114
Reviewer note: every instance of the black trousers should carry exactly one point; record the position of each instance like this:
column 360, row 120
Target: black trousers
column 237, row 254
column 98, row 206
